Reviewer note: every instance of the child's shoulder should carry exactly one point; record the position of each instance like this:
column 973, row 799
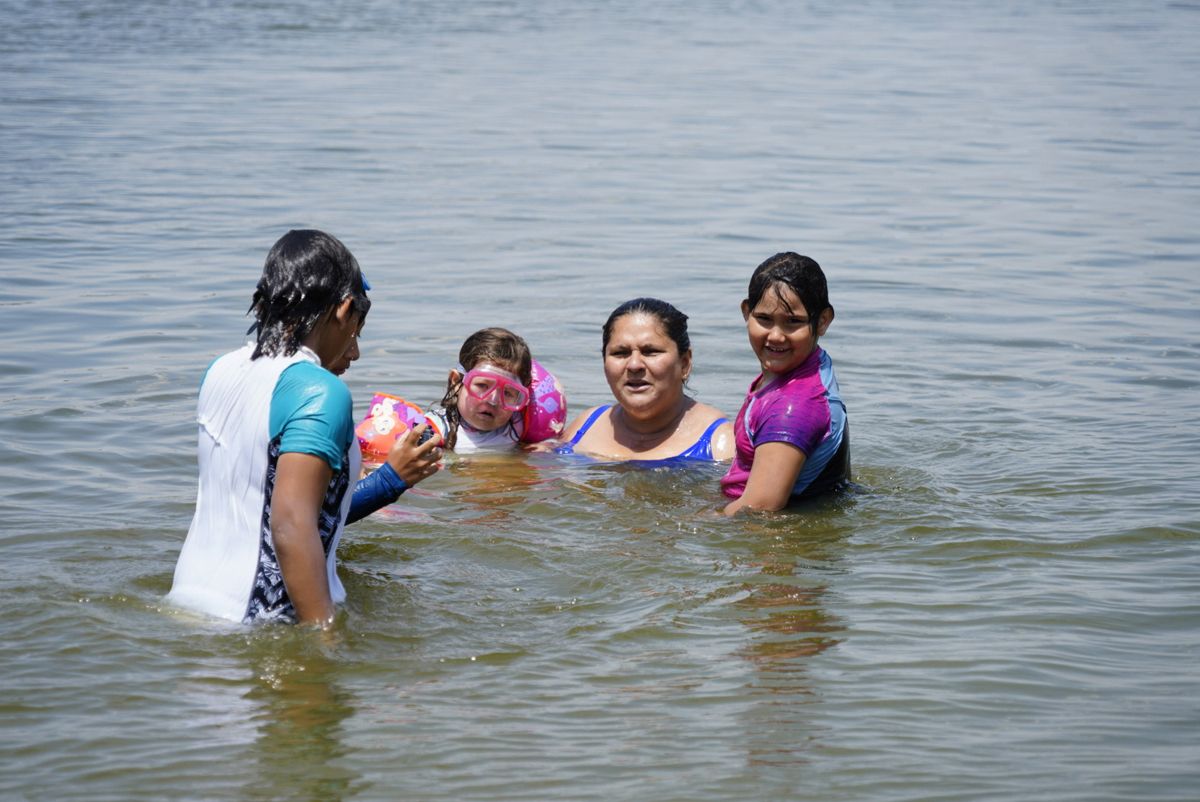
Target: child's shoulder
column 782, row 392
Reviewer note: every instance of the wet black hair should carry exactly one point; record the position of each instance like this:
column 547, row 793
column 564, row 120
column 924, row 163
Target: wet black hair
column 673, row 321
column 800, row 273
column 306, row 274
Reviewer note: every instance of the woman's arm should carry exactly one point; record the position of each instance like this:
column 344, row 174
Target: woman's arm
column 772, row 477
column 723, row 445
column 300, row 484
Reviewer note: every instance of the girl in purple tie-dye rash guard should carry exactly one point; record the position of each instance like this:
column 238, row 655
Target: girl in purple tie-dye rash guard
column 791, row 433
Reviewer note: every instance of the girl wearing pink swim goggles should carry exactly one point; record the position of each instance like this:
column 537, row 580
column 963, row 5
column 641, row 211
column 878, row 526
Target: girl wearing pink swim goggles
column 491, row 385
column 497, row 397
column 486, row 391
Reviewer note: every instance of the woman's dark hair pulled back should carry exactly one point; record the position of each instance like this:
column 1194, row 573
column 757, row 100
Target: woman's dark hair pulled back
column 306, row 274
column 673, row 321
column 802, row 274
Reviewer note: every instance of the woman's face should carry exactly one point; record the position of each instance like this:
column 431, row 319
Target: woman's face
column 485, row 414
column 644, row 367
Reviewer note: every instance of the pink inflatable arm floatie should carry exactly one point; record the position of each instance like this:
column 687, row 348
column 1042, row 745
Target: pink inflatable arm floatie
column 388, row 418
column 545, row 416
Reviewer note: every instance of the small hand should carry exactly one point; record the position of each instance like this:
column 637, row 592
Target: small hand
column 543, row 446
column 412, row 459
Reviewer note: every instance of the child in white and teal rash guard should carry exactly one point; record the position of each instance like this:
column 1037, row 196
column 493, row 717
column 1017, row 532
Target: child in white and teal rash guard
column 277, row 452
column 250, row 412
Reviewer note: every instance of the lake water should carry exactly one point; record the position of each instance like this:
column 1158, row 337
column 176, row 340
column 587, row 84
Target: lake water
column 1006, row 200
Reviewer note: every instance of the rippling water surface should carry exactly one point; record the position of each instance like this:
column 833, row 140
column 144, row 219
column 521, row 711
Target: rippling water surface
column 1005, row 200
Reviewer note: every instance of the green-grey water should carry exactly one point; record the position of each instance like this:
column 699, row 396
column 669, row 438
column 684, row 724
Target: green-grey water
column 1005, row 200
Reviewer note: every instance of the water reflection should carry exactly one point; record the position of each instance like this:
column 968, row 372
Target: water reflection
column 301, row 710
column 784, row 610
column 494, row 485
column 791, row 611
column 783, row 604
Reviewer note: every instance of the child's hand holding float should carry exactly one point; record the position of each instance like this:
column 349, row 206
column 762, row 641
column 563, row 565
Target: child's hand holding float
column 412, row 459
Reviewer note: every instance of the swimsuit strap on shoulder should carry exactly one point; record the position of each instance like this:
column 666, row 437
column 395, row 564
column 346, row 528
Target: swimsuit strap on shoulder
column 702, row 448
column 587, row 424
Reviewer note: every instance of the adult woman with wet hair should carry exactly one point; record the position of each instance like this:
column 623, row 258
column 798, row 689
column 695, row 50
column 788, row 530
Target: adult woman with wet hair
column 277, row 451
column 647, row 360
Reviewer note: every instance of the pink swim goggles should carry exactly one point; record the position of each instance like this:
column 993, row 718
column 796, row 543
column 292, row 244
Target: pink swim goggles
column 486, row 381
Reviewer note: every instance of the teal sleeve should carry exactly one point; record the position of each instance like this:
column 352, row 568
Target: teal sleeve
column 313, row 411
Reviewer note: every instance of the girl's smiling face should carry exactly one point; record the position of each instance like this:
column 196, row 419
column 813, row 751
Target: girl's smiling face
column 780, row 331
column 485, row 414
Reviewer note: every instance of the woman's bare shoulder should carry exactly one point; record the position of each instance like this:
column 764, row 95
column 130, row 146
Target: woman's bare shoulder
column 576, row 424
column 706, row 414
